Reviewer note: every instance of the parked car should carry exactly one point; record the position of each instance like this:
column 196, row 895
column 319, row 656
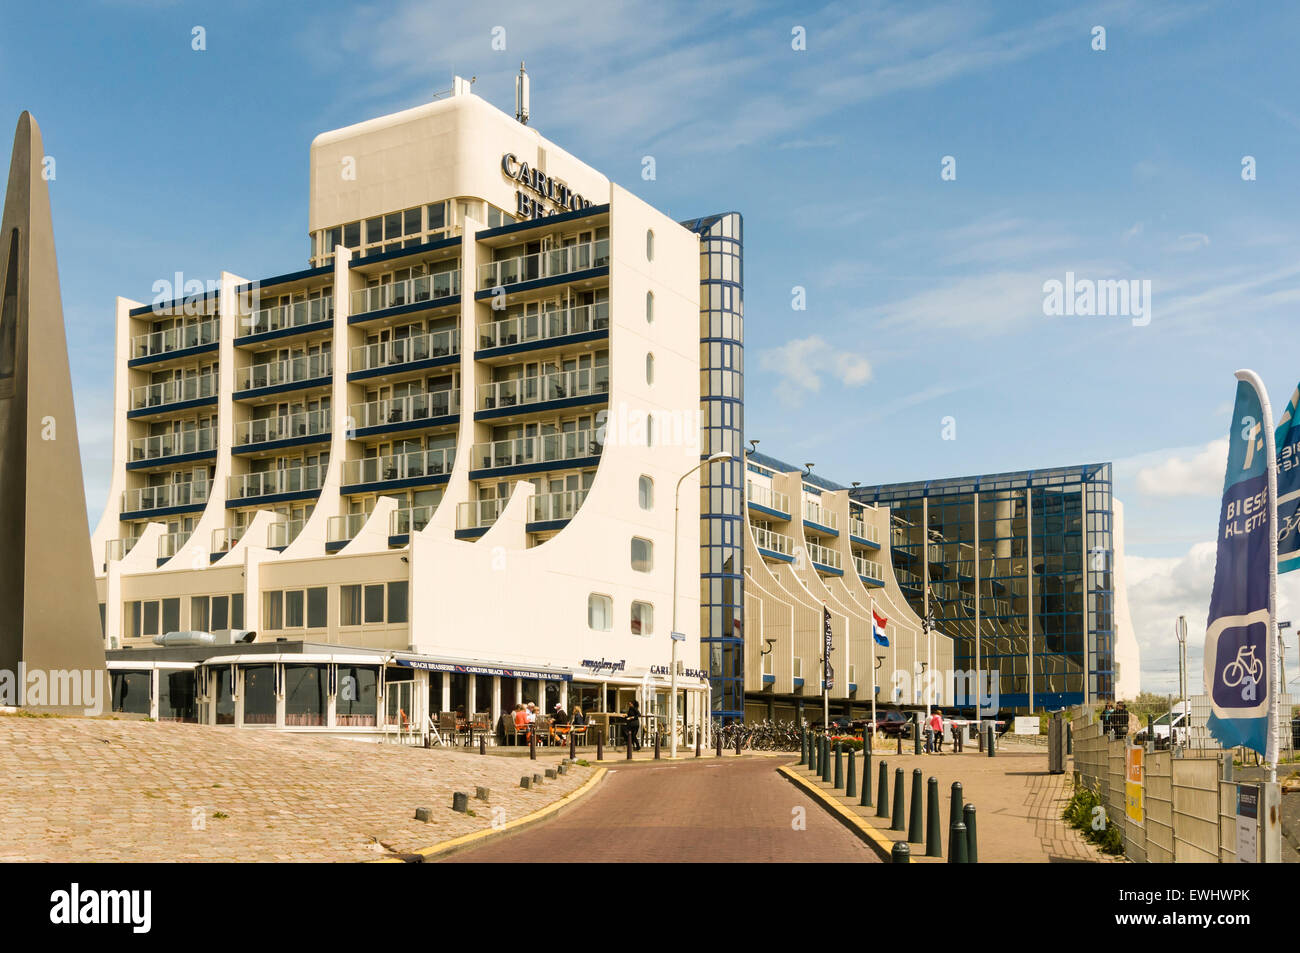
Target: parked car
column 891, row 722
column 1169, row 729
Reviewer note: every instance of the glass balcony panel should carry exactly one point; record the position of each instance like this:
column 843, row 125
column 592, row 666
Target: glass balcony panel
column 293, row 315
column 547, row 264
column 586, row 382
column 422, row 347
column 766, row 496
column 173, row 444
column 547, row 448
column 339, row 528
column 174, row 339
column 822, row 555
column 531, row 328
column 556, row 506
column 306, row 424
column 396, row 294
column 409, row 520
column 773, row 542
column 304, row 367
column 404, row 466
column 284, row 532
column 479, row 514
column 398, row 410
column 816, row 513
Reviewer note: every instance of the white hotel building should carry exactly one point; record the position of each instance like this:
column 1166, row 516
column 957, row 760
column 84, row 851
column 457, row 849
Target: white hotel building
column 436, row 469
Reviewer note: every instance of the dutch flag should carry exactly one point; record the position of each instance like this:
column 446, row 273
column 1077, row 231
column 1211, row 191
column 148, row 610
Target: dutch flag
column 878, row 622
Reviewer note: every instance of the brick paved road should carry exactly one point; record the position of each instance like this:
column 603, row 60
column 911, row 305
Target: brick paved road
column 737, row 811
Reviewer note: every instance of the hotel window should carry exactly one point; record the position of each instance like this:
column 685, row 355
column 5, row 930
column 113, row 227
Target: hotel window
column 350, row 605
column 293, row 609
column 352, row 235
column 643, row 554
column 650, row 307
column 437, row 219
column 645, row 491
column 171, row 615
column 374, row 604
column 649, row 368
column 643, row 618
column 649, row 244
column 397, row 596
column 600, row 612
column 275, row 610
column 199, row 613
column 237, row 611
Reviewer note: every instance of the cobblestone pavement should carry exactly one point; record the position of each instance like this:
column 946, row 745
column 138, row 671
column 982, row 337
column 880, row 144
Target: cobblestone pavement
column 77, row 789
column 1018, row 804
column 730, row 810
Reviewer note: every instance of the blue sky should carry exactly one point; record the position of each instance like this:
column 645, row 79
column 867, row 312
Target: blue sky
column 924, row 296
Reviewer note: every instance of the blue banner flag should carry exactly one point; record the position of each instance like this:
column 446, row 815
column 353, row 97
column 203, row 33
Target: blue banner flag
column 1237, row 643
column 1287, row 440
column 828, row 675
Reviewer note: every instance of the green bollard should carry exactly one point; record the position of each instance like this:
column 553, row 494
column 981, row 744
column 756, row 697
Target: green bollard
column 882, row 797
column 957, row 845
column 851, row 784
column 803, row 746
column 826, row 759
column 916, row 735
column 992, row 745
column 900, row 822
column 839, row 766
column 954, row 810
column 812, row 754
column 933, row 839
column 866, row 774
column 1069, row 739
column 968, row 815
column 900, row 853
column 915, row 821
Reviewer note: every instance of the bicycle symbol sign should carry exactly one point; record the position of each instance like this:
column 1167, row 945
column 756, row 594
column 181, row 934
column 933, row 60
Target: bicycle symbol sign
column 1243, row 666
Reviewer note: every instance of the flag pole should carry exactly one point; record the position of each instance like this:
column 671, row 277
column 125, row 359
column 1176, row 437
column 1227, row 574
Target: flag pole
column 1270, row 450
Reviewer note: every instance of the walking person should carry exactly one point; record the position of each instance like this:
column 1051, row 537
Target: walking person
column 633, row 725
column 936, row 729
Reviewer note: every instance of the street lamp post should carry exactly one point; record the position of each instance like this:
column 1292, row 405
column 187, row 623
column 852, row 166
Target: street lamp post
column 718, row 457
column 1180, row 630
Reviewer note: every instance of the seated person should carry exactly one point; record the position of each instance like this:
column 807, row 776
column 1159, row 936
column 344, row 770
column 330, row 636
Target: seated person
column 579, row 719
column 521, row 718
column 561, row 717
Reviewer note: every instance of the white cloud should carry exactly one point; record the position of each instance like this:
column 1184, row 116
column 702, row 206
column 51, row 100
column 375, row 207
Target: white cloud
column 1198, row 475
column 1191, row 242
column 1160, row 590
column 804, row 363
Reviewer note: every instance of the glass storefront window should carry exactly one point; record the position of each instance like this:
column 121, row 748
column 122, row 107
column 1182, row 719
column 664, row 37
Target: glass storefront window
column 304, row 695
column 356, row 698
column 131, row 691
column 176, row 698
column 259, row 694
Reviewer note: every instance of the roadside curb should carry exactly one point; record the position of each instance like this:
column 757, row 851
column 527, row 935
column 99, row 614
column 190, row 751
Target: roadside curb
column 438, row 851
column 878, row 842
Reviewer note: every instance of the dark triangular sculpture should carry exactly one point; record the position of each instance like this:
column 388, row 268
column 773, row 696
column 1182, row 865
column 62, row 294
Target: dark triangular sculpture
column 49, row 616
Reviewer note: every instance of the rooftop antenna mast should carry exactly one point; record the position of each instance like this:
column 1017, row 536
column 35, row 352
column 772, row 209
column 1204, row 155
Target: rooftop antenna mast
column 521, row 95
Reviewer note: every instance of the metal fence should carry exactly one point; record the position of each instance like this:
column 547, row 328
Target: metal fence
column 1189, row 813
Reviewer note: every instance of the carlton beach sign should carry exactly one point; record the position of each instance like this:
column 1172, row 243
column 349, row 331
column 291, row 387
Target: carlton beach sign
column 549, row 196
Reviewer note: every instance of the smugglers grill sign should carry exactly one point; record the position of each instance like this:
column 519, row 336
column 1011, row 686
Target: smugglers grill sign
column 553, row 197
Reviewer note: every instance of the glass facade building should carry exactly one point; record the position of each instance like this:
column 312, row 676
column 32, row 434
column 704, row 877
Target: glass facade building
column 722, row 485
column 1017, row 567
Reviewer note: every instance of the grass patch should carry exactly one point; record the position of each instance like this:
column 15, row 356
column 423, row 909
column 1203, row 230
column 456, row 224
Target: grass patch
column 1086, row 814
